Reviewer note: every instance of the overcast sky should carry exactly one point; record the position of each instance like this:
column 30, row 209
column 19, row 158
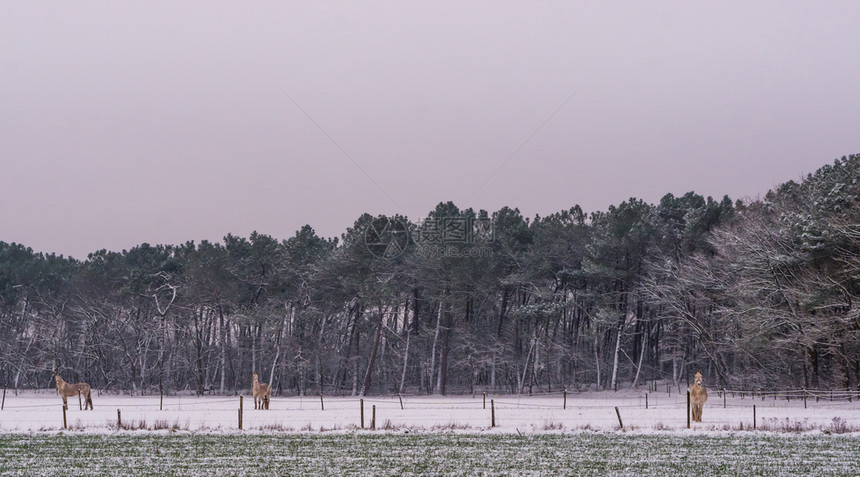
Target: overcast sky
column 163, row 122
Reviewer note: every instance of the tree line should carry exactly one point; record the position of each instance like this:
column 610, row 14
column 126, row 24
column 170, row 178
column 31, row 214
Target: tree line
column 756, row 293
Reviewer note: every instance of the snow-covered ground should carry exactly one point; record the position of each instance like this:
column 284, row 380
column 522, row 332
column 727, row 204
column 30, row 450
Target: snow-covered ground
column 34, row 411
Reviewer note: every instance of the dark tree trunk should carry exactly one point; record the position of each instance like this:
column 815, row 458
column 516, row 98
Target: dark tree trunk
column 448, row 323
column 376, row 338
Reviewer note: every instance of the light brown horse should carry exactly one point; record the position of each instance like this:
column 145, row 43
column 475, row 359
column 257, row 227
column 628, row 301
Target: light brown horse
column 698, row 396
column 262, row 394
column 65, row 390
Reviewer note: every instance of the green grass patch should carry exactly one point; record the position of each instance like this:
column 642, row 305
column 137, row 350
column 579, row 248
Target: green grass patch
column 368, row 453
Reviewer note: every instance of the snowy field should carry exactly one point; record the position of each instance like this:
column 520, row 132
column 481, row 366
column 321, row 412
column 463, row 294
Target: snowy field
column 429, row 435
column 42, row 411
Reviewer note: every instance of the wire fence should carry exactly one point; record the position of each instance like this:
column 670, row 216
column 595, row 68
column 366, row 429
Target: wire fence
column 539, row 411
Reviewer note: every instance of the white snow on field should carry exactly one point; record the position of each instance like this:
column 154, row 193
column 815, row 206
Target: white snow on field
column 37, row 411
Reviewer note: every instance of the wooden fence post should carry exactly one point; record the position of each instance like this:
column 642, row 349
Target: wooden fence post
column 80, row 406
column 400, row 396
column 688, row 409
column 804, row 398
column 753, row 416
column 373, row 417
column 617, row 413
column 118, row 419
column 4, row 399
column 362, row 412
column 322, row 404
column 161, row 403
column 241, row 406
column 64, row 416
column 565, row 399
column 485, row 400
column 724, row 398
column 492, row 413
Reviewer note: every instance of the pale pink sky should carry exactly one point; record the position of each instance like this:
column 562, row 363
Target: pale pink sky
column 162, row 122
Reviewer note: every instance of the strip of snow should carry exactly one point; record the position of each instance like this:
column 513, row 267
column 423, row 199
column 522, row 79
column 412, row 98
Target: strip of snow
column 41, row 411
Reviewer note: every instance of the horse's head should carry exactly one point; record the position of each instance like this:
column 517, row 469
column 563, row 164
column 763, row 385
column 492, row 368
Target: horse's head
column 699, row 381
column 58, row 379
column 256, row 378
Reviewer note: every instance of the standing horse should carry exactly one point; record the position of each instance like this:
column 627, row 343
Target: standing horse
column 65, row 390
column 698, row 396
column 262, row 394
